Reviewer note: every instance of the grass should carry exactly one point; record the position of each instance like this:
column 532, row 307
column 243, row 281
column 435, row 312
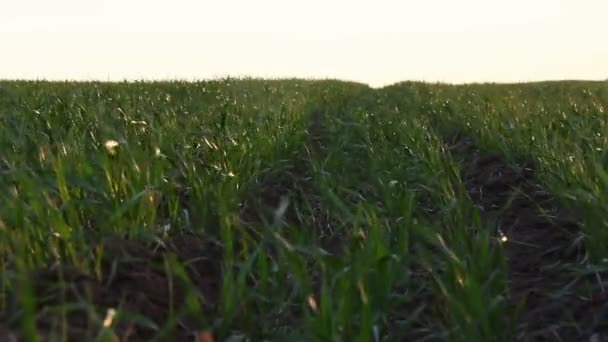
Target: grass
column 294, row 210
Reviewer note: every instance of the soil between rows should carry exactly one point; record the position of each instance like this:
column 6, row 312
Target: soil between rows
column 543, row 240
column 135, row 280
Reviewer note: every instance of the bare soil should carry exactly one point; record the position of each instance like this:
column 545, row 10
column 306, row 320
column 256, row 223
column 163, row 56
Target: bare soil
column 543, row 241
column 136, row 280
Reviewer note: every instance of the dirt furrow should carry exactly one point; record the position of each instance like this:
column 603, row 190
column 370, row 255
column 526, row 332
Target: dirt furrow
column 541, row 241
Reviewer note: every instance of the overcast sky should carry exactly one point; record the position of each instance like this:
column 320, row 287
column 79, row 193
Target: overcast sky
column 377, row 41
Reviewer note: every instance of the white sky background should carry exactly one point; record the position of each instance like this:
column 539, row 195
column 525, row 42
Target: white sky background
column 375, row 41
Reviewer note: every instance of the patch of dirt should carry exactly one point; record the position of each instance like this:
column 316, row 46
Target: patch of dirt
column 542, row 237
column 136, row 280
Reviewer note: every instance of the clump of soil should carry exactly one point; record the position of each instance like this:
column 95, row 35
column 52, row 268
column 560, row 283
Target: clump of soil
column 540, row 240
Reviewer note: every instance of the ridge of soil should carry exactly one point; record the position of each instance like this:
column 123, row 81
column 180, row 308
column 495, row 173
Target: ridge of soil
column 542, row 240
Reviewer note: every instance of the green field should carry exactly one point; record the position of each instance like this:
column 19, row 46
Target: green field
column 292, row 210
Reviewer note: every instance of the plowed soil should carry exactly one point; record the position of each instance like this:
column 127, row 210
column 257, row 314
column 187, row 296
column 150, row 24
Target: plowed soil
column 541, row 241
column 136, row 279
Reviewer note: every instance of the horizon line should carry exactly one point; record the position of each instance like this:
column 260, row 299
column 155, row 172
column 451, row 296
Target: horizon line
column 288, row 78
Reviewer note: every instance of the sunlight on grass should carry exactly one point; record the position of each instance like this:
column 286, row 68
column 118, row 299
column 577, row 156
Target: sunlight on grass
column 300, row 210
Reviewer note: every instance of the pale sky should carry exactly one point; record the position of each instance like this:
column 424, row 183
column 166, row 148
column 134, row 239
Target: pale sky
column 377, row 42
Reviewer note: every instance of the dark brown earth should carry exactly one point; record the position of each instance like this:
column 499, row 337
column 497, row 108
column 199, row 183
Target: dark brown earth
column 543, row 239
column 135, row 280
